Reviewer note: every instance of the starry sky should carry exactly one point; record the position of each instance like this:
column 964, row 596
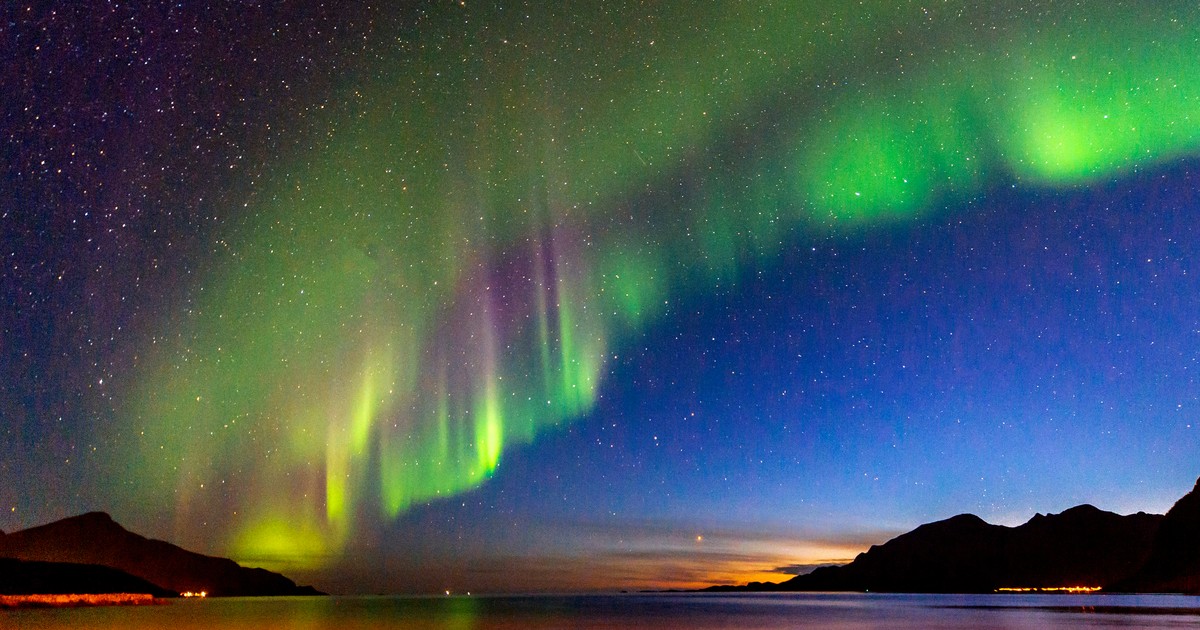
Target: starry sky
column 524, row 296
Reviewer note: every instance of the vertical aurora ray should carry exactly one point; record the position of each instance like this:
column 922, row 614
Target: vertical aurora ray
column 440, row 278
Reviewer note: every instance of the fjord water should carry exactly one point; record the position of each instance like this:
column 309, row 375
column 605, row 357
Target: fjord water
column 746, row 610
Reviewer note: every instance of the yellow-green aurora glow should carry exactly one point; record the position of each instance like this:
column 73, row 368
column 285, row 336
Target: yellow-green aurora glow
column 486, row 214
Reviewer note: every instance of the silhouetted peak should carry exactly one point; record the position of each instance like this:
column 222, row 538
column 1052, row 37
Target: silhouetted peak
column 91, row 521
column 1189, row 502
column 961, row 520
column 93, row 517
column 95, row 538
column 1174, row 563
column 1085, row 513
column 1087, row 509
column 1081, row 545
column 949, row 526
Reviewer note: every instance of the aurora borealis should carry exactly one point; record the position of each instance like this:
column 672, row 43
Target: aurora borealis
column 402, row 298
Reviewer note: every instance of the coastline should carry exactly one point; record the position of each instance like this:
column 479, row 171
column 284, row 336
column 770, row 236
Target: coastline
column 75, row 600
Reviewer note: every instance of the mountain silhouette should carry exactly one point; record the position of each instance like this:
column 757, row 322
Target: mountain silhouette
column 20, row 577
column 1083, row 546
column 1174, row 562
column 95, row 539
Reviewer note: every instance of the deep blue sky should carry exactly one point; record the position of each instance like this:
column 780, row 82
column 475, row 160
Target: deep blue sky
column 1025, row 354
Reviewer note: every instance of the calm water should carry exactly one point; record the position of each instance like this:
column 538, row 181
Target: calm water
column 842, row 611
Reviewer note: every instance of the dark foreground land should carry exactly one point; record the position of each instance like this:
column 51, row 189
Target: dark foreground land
column 91, row 554
column 1081, row 547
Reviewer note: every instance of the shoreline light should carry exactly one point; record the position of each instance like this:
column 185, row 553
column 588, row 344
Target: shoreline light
column 1048, row 589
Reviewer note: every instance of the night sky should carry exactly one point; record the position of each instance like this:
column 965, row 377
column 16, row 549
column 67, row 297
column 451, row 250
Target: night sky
column 557, row 296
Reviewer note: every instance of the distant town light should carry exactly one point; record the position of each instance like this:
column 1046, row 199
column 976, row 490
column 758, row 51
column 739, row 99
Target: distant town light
column 1048, row 589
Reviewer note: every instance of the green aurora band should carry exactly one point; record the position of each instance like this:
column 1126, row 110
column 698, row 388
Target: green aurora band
column 478, row 226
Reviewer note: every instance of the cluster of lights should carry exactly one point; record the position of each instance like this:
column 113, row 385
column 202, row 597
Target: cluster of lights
column 1048, row 589
column 194, row 594
column 75, row 599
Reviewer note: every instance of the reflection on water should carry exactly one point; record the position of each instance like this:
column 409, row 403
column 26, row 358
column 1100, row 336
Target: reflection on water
column 846, row 611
